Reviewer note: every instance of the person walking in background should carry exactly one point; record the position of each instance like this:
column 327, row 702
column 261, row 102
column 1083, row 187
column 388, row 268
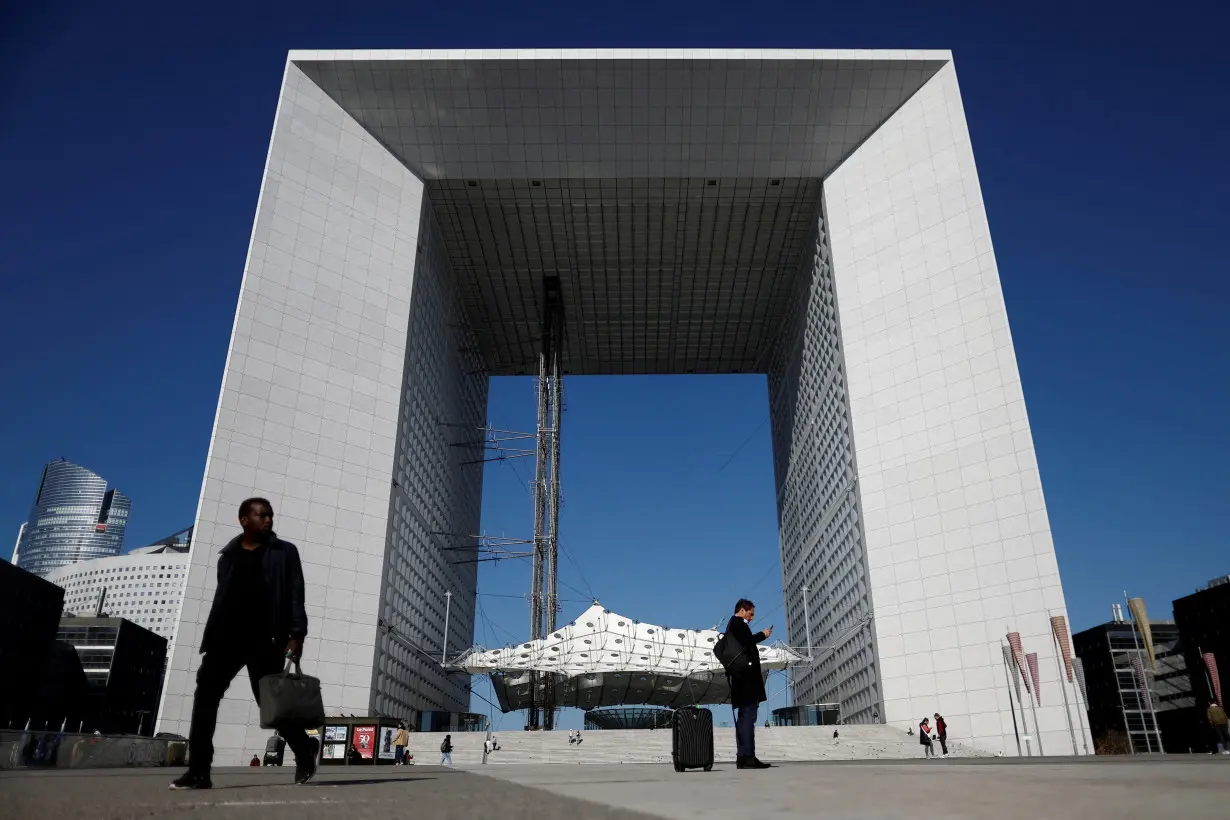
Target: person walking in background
column 1217, row 722
column 400, row 741
column 257, row 620
column 941, row 732
column 924, row 737
column 255, row 761
column 746, row 682
column 446, row 751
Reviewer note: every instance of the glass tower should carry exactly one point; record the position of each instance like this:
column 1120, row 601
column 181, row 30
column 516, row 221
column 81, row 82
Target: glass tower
column 75, row 517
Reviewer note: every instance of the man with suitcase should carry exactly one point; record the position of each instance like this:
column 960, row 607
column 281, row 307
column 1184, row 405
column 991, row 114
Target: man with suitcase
column 746, row 681
column 257, row 620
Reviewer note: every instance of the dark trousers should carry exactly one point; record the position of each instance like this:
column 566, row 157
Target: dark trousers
column 218, row 668
column 944, row 743
column 745, row 730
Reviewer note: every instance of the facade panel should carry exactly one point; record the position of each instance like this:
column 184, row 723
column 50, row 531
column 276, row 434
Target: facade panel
column 959, row 546
column 437, row 497
column 817, row 494
column 309, row 408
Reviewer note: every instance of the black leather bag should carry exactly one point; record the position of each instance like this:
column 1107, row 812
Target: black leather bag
column 291, row 699
column 731, row 655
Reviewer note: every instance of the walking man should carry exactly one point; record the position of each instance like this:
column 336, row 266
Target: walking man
column 1217, row 722
column 941, row 733
column 746, row 682
column 446, row 751
column 257, row 620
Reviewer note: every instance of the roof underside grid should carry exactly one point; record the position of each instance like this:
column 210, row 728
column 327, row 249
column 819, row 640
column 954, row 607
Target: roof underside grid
column 672, row 196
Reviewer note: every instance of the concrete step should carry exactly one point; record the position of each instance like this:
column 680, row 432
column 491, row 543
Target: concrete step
column 778, row 743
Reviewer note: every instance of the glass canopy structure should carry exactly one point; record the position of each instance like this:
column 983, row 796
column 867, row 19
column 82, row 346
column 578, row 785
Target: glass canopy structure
column 606, row 659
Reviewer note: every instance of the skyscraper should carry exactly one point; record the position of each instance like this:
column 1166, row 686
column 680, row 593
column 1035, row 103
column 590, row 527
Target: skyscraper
column 75, row 517
column 812, row 216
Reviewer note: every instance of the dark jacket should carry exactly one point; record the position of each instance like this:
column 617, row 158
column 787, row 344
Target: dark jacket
column 283, row 575
column 746, row 681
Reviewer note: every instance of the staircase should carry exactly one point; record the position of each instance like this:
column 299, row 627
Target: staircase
column 775, row 744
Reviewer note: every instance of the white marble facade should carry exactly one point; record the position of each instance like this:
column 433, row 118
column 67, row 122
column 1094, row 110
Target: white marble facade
column 958, row 543
column 908, row 488
column 309, row 408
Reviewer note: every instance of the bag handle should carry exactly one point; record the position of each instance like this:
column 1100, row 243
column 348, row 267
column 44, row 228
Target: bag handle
column 298, row 673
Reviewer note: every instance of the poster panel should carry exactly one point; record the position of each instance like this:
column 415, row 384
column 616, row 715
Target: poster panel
column 364, row 741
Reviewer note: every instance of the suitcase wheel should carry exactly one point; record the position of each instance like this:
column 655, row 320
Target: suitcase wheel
column 709, row 768
column 678, row 767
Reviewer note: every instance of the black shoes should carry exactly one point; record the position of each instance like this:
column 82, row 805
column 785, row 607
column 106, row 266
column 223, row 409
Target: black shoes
column 192, row 780
column 304, row 772
column 751, row 763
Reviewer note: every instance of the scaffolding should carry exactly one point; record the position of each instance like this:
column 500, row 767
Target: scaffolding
column 544, row 587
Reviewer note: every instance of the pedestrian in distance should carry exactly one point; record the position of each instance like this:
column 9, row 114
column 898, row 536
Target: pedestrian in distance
column 446, row 751
column 941, row 733
column 924, row 737
column 400, row 741
column 258, row 621
column 746, row 682
column 255, row 761
column 1217, row 723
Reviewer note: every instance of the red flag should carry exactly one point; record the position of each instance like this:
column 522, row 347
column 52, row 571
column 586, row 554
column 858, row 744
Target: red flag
column 1032, row 661
column 1210, row 663
column 1059, row 625
column 1018, row 655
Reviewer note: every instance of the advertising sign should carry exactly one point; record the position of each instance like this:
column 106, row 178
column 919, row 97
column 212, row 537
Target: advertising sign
column 335, row 751
column 364, row 741
column 335, row 734
column 387, row 733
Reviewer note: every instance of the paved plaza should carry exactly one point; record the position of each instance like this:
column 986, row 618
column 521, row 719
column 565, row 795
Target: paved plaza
column 1188, row 787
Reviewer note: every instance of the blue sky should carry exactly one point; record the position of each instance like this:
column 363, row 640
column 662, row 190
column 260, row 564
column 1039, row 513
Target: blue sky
column 132, row 140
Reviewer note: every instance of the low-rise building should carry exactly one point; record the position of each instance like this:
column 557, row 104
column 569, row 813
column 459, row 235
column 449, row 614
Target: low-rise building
column 145, row 586
column 123, row 665
column 1153, row 716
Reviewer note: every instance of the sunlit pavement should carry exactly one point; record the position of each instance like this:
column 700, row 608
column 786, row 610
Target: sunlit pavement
column 1190, row 787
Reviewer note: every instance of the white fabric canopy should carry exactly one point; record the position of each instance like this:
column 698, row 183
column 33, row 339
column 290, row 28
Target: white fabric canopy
column 603, row 641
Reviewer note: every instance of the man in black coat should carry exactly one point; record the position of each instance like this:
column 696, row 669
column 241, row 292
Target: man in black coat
column 257, row 620
column 746, row 683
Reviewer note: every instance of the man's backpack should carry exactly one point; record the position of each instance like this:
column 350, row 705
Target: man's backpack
column 444, row 747
column 728, row 653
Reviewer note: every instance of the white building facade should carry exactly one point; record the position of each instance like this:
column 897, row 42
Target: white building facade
column 145, row 585
column 814, row 216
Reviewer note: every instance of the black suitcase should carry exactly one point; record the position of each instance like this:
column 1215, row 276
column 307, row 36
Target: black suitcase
column 275, row 748
column 692, row 739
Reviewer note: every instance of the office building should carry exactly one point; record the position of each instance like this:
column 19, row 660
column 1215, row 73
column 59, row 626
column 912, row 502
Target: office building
column 145, row 585
column 1115, row 655
column 29, row 615
column 123, row 665
column 76, row 516
column 814, row 217
column 1203, row 620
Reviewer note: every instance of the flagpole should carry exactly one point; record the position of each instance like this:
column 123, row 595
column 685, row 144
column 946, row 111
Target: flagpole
column 1059, row 663
column 1008, row 680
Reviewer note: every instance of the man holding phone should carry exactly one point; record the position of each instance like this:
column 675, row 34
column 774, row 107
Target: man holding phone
column 746, row 682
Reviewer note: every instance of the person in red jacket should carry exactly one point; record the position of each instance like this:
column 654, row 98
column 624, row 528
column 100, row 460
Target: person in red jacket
column 941, row 733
